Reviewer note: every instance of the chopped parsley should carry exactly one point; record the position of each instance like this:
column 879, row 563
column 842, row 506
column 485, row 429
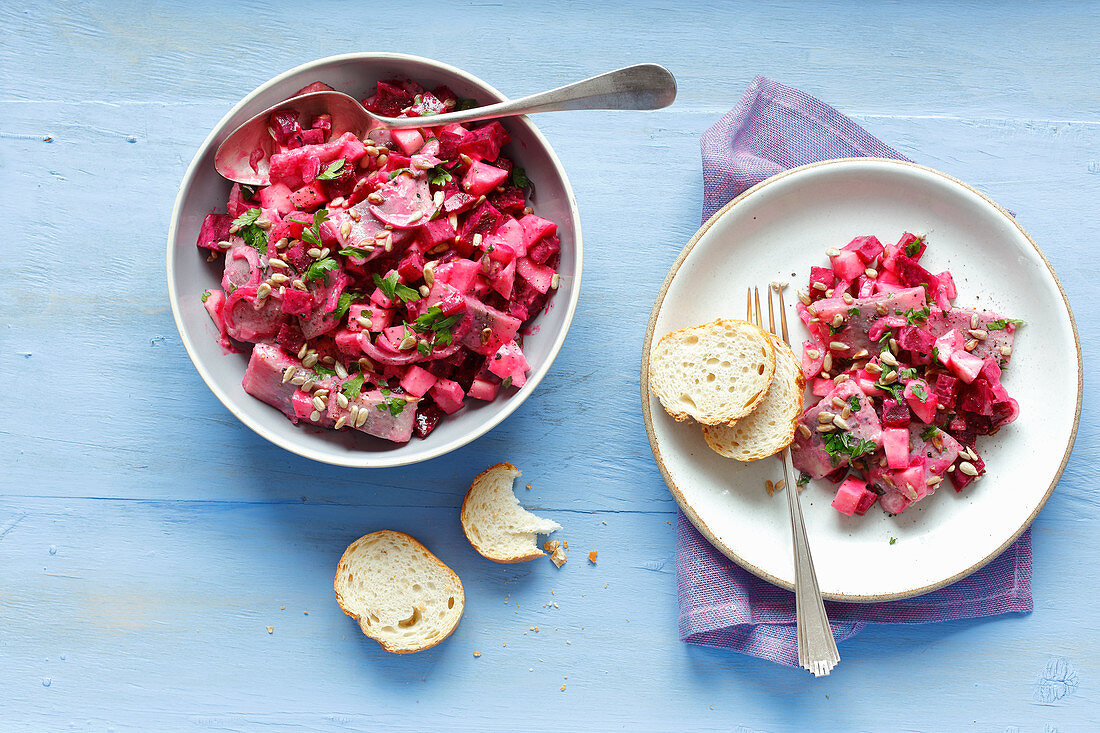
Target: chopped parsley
column 519, row 178
column 854, row 403
column 893, row 540
column 885, row 335
column 853, row 312
column 312, row 234
column 205, row 295
column 463, row 104
column 914, row 316
column 911, row 250
column 323, row 371
column 248, row 192
column 1001, row 324
column 929, row 432
column 935, row 352
column 803, row 479
column 251, row 232
column 332, row 172
column 918, row 389
column 394, row 405
column 439, row 175
column 319, row 269
column 393, row 290
column 907, row 373
column 344, row 302
column 433, row 321
column 507, row 382
column 834, row 330
column 359, row 252
column 894, row 389
column 399, row 171
column 844, row 444
column 353, row 386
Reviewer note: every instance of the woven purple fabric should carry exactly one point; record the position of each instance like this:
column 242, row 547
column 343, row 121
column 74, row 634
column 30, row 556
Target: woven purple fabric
column 774, row 128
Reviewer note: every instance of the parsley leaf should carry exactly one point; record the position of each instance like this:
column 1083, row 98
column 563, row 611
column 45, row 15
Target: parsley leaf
column 852, row 312
column 935, row 352
column 393, row 404
column 248, row 192
column 399, row 171
column 463, row 104
column 854, row 403
column 914, row 316
column 913, row 247
column 803, row 479
column 907, row 373
column 438, row 175
column 359, row 252
column 917, row 389
column 393, row 289
column 894, row 389
column 885, row 335
column 507, row 382
column 834, row 330
column 433, row 320
column 353, row 386
column 319, row 269
column 344, row 302
column 323, row 370
column 893, row 540
column 252, row 234
column 844, row 444
column 332, row 172
column 519, row 178
column 1001, row 324
column 205, row 295
column 929, row 432
column 312, row 234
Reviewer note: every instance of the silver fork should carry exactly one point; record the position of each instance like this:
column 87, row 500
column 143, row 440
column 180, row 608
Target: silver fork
column 817, row 650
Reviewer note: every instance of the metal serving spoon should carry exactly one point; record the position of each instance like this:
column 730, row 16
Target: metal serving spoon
column 644, row 86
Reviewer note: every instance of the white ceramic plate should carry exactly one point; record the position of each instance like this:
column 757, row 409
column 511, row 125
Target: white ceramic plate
column 776, row 231
column 189, row 274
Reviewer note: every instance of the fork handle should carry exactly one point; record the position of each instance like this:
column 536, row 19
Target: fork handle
column 817, row 650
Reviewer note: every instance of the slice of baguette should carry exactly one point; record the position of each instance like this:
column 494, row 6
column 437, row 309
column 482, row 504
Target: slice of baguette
column 402, row 595
column 714, row 373
column 494, row 522
column 771, row 426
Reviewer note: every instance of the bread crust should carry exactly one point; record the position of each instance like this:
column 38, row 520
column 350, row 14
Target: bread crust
column 668, row 404
column 400, row 537
column 464, row 517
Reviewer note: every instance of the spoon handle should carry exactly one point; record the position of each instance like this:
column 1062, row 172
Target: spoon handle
column 643, row 86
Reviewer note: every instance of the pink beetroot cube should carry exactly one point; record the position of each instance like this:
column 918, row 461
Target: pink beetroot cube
column 535, row 228
column 297, row 302
column 921, row 399
column 847, row 266
column 483, row 389
column 448, row 395
column 965, row 365
column 895, row 441
column 848, row 495
column 418, row 381
column 408, row 139
column 482, row 178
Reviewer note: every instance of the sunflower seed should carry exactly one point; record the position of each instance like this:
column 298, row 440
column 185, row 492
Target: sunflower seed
column 951, row 469
column 298, row 380
column 826, row 428
column 871, row 272
column 315, row 416
column 838, row 402
column 887, row 358
column 841, row 379
column 342, row 400
column 847, row 411
column 804, row 430
column 933, row 480
column 276, row 262
column 362, row 418
column 363, row 321
column 486, row 334
column 303, row 351
column 832, row 252
column 803, row 297
column 971, row 345
column 355, row 215
column 263, row 291
column 407, row 343
column 289, row 374
column 820, row 286
column 365, row 364
column 477, row 240
column 437, row 199
column 847, row 298
column 873, row 369
column 424, row 290
column 278, row 278
column 340, row 422
column 827, row 362
column 979, row 334
column 319, row 403
column 882, row 309
column 375, row 198
column 555, row 280
column 861, row 354
column 838, row 320
column 893, row 346
column 308, row 385
column 838, row 346
column 813, row 353
column 825, row 416
column 968, row 468
column 341, row 370
column 889, row 378
column 310, row 361
column 840, row 422
column 1006, row 351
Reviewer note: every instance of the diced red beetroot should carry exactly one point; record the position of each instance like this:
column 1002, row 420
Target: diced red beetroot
column 836, row 475
column 408, row 139
column 1005, row 412
column 417, row 381
column 485, row 142
column 978, row 398
column 848, row 494
column 535, row 228
column 214, row 229
column 811, row 365
column 449, row 140
column 481, row 178
column 895, row 442
column 912, row 246
column 483, row 220
column 395, row 162
column 895, row 414
column 302, row 402
column 991, row 370
column 866, row 501
column 394, row 335
column 913, row 275
column 511, row 200
column 884, row 324
column 483, row 389
column 965, row 365
column 822, row 275
column 868, row 248
column 347, row 343
column 822, row 387
column 544, row 250
column 911, row 480
column 284, row 125
column 297, row 302
column 378, row 317
column 962, row 480
column 434, row 233
column 459, row 274
column 946, row 345
column 290, row 338
column 847, row 265
column 458, row 202
column 918, row 342
column 307, row 198
column 448, row 395
column 509, row 361
column 388, row 99
column 510, row 232
column 411, row 266
column 502, row 327
column 921, row 400
column 295, row 167
column 313, row 136
column 504, row 281
column 322, row 123
column 946, row 390
column 539, row 276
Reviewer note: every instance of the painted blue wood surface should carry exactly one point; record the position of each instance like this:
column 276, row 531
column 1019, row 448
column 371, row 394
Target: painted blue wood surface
column 147, row 539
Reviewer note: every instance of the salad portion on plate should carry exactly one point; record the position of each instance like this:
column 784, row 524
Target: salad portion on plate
column 907, row 380
column 381, row 281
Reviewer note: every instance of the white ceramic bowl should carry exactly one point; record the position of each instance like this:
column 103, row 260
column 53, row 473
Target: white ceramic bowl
column 189, row 273
column 776, row 231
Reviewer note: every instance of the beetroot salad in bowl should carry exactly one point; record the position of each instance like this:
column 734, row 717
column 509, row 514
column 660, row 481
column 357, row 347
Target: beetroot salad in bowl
column 390, row 288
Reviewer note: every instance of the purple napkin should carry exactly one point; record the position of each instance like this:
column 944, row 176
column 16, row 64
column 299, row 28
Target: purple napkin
column 774, row 128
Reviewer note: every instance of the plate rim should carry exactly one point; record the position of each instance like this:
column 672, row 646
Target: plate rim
column 647, row 415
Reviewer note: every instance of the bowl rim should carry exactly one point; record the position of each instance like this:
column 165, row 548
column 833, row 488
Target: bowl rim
column 371, row 459
column 647, row 411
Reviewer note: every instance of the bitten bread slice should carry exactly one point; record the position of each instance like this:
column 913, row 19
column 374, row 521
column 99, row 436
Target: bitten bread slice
column 771, row 426
column 715, row 373
column 403, row 596
column 494, row 522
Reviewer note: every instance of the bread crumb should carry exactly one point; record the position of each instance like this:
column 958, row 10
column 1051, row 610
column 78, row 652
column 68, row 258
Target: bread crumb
column 563, row 688
column 592, row 557
column 282, row 608
column 528, row 486
column 603, row 522
column 505, row 643
column 477, row 653
column 305, row 613
column 535, row 629
column 565, row 544
column 557, row 554
column 271, row 629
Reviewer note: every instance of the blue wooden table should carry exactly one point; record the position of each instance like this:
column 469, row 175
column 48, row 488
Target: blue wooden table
column 148, row 539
